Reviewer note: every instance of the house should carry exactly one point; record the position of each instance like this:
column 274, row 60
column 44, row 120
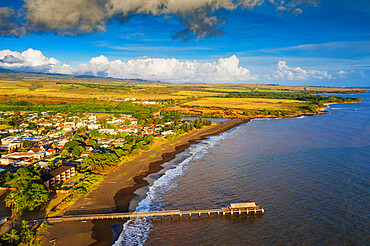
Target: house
column 109, row 131
column 134, row 121
column 51, row 151
column 59, row 175
column 124, row 129
column 36, row 149
column 93, row 118
column 45, row 124
column 43, row 164
column 81, row 124
column 165, row 133
column 93, row 126
column 130, row 99
column 6, row 161
column 85, row 153
column 67, row 129
column 61, row 143
column 22, row 156
column 9, row 140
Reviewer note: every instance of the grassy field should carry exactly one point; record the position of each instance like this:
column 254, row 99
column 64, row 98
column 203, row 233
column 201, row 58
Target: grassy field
column 192, row 99
column 248, row 103
column 65, row 89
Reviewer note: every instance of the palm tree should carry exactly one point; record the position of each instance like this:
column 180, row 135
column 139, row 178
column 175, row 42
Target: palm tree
column 27, row 237
column 11, row 200
column 11, row 236
column 24, row 225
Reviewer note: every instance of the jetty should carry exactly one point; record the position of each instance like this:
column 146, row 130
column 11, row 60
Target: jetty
column 248, row 208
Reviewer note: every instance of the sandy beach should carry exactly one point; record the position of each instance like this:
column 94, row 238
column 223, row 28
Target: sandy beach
column 117, row 190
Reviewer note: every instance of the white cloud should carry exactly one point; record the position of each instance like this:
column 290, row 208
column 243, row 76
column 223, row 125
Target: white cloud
column 32, row 60
column 170, row 69
column 283, row 71
column 342, row 74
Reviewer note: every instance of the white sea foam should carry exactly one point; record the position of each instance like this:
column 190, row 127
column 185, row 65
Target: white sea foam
column 136, row 231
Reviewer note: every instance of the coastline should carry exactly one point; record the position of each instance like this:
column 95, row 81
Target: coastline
column 117, row 189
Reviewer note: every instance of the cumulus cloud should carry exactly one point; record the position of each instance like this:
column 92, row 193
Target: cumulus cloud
column 342, row 74
column 171, row 69
column 283, row 71
column 32, row 60
column 70, row 17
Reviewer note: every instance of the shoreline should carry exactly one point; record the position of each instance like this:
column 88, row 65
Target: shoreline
column 117, row 189
column 102, row 232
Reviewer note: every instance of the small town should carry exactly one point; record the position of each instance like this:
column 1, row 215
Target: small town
column 69, row 153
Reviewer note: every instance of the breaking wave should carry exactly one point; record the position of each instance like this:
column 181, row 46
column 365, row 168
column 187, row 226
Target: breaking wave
column 136, row 231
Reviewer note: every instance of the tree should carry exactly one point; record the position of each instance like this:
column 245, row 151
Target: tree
column 127, row 122
column 135, row 151
column 54, row 145
column 77, row 151
column 24, row 225
column 27, row 235
column 29, row 192
column 11, row 200
column 98, row 162
column 111, row 126
column 93, row 143
column 119, row 152
column 11, row 236
column 73, row 143
column 65, row 154
column 15, row 120
column 26, row 144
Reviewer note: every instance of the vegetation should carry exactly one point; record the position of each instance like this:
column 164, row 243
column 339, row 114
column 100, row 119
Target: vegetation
column 99, row 162
column 29, row 192
column 21, row 235
column 127, row 108
column 300, row 96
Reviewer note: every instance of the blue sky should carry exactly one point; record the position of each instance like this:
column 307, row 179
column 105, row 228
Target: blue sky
column 323, row 42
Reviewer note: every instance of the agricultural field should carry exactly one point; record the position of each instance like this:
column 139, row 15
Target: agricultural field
column 221, row 100
column 248, row 103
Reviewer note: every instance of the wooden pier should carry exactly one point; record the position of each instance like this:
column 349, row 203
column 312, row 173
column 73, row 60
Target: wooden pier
column 231, row 210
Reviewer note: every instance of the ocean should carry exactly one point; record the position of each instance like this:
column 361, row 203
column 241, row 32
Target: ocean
column 309, row 173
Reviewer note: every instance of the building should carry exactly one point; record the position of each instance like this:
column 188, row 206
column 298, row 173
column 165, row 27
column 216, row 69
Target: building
column 51, row 151
column 11, row 146
column 59, row 175
column 93, row 126
column 38, row 149
column 18, row 156
column 10, row 140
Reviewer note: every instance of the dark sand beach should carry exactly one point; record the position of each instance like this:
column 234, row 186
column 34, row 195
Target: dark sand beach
column 117, row 190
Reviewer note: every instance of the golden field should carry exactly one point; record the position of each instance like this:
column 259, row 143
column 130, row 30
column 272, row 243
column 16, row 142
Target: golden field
column 247, row 103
